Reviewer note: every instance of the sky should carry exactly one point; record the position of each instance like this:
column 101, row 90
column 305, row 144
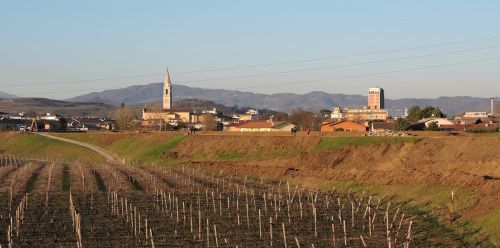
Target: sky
column 60, row 49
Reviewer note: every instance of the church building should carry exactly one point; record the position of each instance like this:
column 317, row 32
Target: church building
column 167, row 114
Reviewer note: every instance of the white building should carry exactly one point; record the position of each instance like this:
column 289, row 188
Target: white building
column 476, row 115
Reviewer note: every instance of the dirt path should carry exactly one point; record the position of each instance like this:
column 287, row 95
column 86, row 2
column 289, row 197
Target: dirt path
column 107, row 155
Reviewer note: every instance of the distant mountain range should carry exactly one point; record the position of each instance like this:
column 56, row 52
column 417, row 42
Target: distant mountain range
column 97, row 109
column 143, row 94
column 43, row 105
column 4, row 95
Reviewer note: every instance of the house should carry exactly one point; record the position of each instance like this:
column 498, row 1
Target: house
column 51, row 121
column 8, row 124
column 438, row 121
column 234, row 127
column 261, row 126
column 167, row 115
column 480, row 127
column 4, row 115
column 203, row 117
column 343, row 125
column 364, row 113
column 475, row 115
column 90, row 123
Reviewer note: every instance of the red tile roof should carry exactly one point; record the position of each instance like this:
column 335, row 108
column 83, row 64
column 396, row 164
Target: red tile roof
column 260, row 124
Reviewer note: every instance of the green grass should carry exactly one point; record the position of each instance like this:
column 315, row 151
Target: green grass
column 164, row 147
column 334, row 143
column 495, row 134
column 229, row 155
column 35, row 146
column 490, row 224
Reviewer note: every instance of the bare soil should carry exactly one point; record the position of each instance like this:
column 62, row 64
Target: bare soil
column 462, row 162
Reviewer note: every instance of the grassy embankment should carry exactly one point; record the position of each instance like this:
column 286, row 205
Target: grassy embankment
column 38, row 147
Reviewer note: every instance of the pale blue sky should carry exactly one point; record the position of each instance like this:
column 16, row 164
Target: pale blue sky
column 59, row 41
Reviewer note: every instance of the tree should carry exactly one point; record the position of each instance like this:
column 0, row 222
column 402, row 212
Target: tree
column 124, row 118
column 414, row 114
column 303, row 119
column 325, row 113
column 210, row 122
column 401, row 124
column 281, row 116
column 430, row 111
column 433, row 126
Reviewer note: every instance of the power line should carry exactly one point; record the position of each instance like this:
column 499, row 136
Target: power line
column 307, row 81
column 268, row 64
column 275, row 73
column 369, row 74
column 340, row 66
column 84, row 80
column 342, row 56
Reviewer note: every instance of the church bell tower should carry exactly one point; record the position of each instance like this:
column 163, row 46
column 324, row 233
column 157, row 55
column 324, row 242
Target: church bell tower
column 167, row 92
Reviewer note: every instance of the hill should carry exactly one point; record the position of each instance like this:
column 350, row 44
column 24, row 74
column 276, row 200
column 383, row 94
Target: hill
column 95, row 108
column 44, row 105
column 141, row 94
column 4, row 95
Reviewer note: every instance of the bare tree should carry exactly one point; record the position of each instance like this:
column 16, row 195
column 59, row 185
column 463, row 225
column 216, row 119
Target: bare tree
column 210, row 122
column 124, row 118
column 303, row 118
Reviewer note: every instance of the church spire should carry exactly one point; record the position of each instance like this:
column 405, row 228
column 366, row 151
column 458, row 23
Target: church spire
column 167, row 92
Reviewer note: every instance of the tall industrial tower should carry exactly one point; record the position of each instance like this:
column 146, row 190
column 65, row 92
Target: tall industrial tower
column 376, row 98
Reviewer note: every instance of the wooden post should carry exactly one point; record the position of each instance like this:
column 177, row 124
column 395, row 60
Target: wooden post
column 362, row 240
column 345, row 234
column 315, row 222
column 248, row 217
column 260, row 226
column 208, row 234
column 408, row 236
column 297, row 242
column 215, row 233
column 333, row 235
column 152, row 241
column 271, row 230
column 284, row 234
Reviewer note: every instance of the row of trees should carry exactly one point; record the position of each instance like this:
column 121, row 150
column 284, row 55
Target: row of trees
column 303, row 118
